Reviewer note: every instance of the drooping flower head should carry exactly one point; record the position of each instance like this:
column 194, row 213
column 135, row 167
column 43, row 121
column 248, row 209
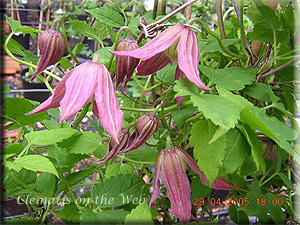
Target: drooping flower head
column 52, row 46
column 170, row 164
column 145, row 126
column 177, row 42
column 125, row 65
column 86, row 82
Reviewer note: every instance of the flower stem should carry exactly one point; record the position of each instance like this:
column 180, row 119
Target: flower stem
column 144, row 90
column 116, row 43
column 8, row 52
column 203, row 25
column 63, row 29
column 82, row 115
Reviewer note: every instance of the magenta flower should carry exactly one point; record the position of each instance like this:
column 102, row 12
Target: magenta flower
column 86, row 82
column 169, row 163
column 177, row 42
column 52, row 46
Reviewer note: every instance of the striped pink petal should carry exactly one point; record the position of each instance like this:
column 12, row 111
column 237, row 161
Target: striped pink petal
column 54, row 100
column 156, row 45
column 79, row 89
column 153, row 64
column 178, row 186
column 107, row 105
column 188, row 57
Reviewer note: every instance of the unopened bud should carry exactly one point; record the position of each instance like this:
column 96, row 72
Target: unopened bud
column 52, row 46
column 125, row 65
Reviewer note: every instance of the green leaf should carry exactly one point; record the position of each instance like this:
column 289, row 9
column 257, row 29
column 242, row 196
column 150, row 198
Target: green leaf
column 13, row 23
column 15, row 109
column 87, row 216
column 6, row 89
column 74, row 179
column 212, row 45
column 12, row 45
column 238, row 216
column 12, row 150
column 84, row 143
column 255, row 193
column 180, row 116
column 118, row 168
column 65, row 63
column 36, row 163
column 236, row 150
column 274, row 209
column 233, row 79
column 166, row 75
column 101, row 29
column 69, row 213
column 258, row 91
column 107, row 16
column 28, row 30
column 140, row 215
column 46, row 184
column 105, row 57
column 286, row 180
column 256, row 148
column 49, row 137
column 62, row 158
column 209, row 156
column 117, row 191
column 222, row 111
column 85, row 29
column 147, row 156
column 198, row 189
column 271, row 127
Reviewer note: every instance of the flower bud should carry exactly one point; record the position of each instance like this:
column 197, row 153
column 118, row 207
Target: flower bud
column 125, row 65
column 145, row 126
column 114, row 148
column 52, row 46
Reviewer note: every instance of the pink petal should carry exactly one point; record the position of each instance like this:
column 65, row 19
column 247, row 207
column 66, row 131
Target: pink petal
column 153, row 64
column 179, row 74
column 178, row 186
column 79, row 89
column 156, row 186
column 156, row 45
column 219, row 184
column 109, row 113
column 188, row 57
column 54, row 100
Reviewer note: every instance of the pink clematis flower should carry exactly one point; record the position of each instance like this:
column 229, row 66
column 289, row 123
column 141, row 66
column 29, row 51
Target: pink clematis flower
column 86, row 82
column 170, row 164
column 177, row 42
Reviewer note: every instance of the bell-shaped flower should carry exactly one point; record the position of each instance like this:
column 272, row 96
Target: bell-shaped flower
column 170, row 164
column 175, row 43
column 52, row 46
column 125, row 65
column 145, row 126
column 86, row 82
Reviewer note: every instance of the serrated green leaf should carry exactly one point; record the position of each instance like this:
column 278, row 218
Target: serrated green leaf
column 147, row 156
column 238, row 216
column 212, row 45
column 15, row 109
column 285, row 180
column 12, row 150
column 236, row 150
column 222, row 111
column 46, row 184
column 85, row 29
column 180, row 116
column 49, row 137
column 107, row 16
column 70, row 213
column 86, row 142
column 117, row 191
column 118, row 168
column 13, row 23
column 36, row 163
column 166, row 75
column 101, row 29
column 12, row 45
column 87, row 216
column 253, row 196
column 28, row 30
column 256, row 148
column 258, row 91
column 198, row 189
column 271, row 127
column 209, row 156
column 274, row 208
column 233, row 79
column 140, row 215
